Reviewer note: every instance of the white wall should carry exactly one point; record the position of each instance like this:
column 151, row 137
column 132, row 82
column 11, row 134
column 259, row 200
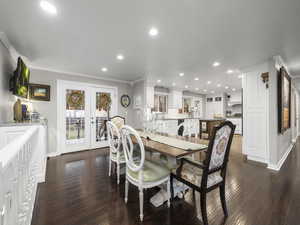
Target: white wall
column 277, row 145
column 49, row 109
column 7, row 66
column 137, row 114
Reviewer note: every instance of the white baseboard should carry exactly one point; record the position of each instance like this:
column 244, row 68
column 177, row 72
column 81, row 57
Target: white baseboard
column 277, row 166
column 256, row 159
column 53, row 154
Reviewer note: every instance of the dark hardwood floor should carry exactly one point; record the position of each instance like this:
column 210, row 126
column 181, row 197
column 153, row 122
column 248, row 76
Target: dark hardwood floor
column 78, row 191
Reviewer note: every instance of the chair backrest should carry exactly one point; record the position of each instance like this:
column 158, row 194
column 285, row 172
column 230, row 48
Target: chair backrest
column 183, row 129
column 218, row 149
column 119, row 121
column 128, row 136
column 114, row 138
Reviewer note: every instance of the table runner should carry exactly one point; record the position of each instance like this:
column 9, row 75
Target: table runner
column 174, row 142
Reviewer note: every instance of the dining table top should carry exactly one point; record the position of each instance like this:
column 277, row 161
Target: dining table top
column 156, row 142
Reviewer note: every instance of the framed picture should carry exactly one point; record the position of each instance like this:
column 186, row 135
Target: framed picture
column 284, row 101
column 39, row 92
column 125, row 101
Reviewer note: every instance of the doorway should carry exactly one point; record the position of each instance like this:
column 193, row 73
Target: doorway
column 83, row 110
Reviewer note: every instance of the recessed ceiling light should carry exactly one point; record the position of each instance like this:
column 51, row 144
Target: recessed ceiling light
column 173, row 84
column 216, row 64
column 212, row 92
column 229, row 71
column 226, row 87
column 240, row 76
column 218, row 85
column 153, row 31
column 233, row 89
column 205, row 90
column 196, row 78
column 197, row 89
column 186, row 86
column 48, row 7
column 181, row 74
column 209, row 82
column 120, row 57
column 158, row 81
column 104, row 69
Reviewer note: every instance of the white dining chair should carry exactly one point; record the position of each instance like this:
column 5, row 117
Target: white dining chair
column 116, row 153
column 141, row 173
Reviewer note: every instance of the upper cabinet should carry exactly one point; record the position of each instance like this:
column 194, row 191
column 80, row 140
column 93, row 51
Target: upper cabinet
column 175, row 99
column 235, row 97
column 215, row 106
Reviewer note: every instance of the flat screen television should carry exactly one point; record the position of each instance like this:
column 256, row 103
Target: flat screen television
column 19, row 82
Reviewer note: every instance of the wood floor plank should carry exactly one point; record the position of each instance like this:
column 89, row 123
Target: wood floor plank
column 78, row 191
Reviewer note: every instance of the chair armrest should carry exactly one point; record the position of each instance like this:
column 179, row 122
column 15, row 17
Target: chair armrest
column 194, row 163
column 185, row 160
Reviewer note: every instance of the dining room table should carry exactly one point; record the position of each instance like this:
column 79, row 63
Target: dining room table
column 173, row 148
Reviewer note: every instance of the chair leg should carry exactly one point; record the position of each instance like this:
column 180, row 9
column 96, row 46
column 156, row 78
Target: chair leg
column 168, row 191
column 118, row 173
column 141, row 204
column 203, row 208
column 172, row 187
column 126, row 190
column 109, row 172
column 223, row 199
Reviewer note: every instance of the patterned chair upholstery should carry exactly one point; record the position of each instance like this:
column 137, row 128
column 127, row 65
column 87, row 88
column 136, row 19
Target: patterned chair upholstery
column 211, row 173
column 119, row 121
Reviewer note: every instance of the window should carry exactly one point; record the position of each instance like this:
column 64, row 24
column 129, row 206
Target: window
column 160, row 103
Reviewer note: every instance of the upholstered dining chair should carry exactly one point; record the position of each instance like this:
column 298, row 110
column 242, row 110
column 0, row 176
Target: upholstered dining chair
column 116, row 153
column 119, row 121
column 140, row 172
column 211, row 173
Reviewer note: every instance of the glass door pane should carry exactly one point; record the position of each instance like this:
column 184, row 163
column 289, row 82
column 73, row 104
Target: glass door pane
column 75, row 115
column 101, row 115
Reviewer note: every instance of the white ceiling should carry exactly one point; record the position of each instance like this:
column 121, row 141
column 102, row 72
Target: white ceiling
column 84, row 36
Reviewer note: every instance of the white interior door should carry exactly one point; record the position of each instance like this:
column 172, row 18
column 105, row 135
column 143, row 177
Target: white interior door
column 82, row 115
column 76, row 122
column 99, row 115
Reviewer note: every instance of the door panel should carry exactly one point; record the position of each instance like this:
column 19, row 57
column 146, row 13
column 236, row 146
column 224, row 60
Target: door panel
column 76, row 121
column 83, row 112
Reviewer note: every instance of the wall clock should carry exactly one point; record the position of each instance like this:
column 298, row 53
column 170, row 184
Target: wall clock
column 125, row 101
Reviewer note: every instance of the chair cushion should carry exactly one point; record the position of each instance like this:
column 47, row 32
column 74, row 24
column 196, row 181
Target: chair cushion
column 194, row 174
column 152, row 172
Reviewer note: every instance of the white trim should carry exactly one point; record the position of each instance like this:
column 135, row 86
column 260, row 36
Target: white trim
column 257, row 159
column 36, row 67
column 277, row 166
column 60, row 84
column 53, row 154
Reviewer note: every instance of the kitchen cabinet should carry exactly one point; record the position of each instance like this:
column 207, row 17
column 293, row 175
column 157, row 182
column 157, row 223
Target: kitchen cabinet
column 215, row 106
column 175, row 99
column 238, row 123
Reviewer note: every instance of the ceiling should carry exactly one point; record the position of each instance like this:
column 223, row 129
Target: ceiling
column 85, row 36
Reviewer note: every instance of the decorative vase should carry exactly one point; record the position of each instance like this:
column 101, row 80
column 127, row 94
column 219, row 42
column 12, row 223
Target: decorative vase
column 18, row 111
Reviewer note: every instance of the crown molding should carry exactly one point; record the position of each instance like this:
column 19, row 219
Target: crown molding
column 36, row 67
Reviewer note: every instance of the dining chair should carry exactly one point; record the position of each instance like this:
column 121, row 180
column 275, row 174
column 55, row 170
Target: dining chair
column 119, row 121
column 211, row 173
column 116, row 154
column 141, row 173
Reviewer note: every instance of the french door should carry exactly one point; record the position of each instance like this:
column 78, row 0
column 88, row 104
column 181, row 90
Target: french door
column 83, row 111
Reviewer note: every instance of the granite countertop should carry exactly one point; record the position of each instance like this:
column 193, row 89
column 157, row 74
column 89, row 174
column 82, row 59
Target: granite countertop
column 29, row 123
